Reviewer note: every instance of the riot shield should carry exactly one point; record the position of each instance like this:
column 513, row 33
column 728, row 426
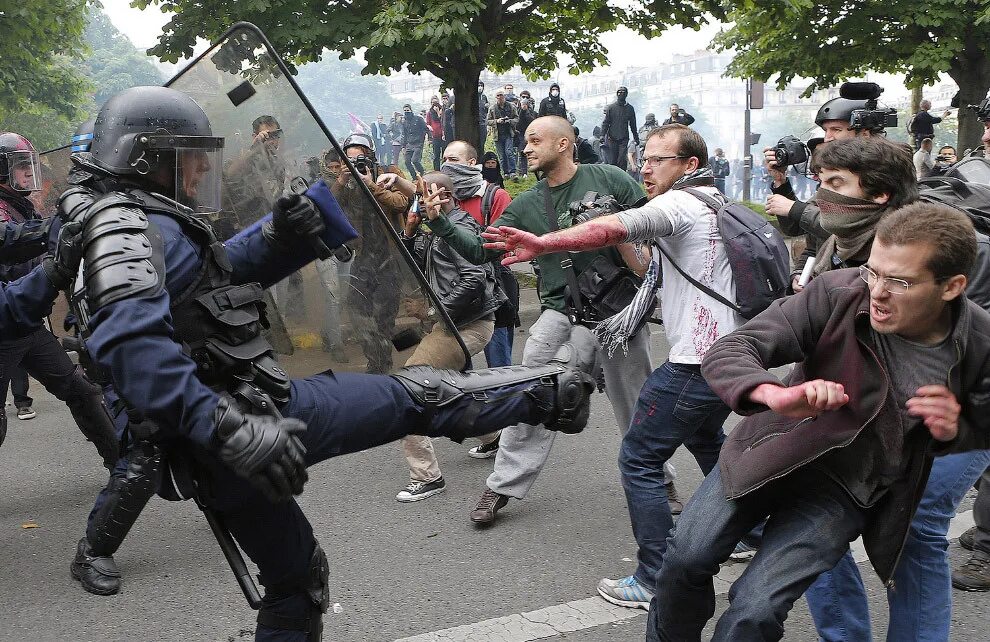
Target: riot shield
column 366, row 313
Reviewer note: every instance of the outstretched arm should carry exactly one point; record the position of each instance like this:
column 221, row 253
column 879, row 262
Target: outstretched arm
column 520, row 246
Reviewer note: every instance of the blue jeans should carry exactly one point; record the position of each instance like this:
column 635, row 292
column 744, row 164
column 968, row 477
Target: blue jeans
column 498, row 352
column 506, row 149
column 920, row 603
column 812, row 520
column 675, row 407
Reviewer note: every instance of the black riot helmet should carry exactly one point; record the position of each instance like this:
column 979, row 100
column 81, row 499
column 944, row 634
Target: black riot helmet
column 838, row 109
column 160, row 137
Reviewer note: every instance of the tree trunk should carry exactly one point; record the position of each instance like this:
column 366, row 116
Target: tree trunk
column 971, row 71
column 916, row 96
column 464, row 81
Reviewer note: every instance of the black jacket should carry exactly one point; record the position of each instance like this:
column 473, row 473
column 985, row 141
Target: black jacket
column 467, row 292
column 551, row 106
column 414, row 132
column 687, row 119
column 923, row 125
column 620, row 119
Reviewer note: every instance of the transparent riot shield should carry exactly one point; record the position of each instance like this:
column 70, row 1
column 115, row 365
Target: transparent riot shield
column 366, row 313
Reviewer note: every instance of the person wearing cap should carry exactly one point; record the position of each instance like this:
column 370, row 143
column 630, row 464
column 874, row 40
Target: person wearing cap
column 503, row 118
column 553, row 104
column 620, row 119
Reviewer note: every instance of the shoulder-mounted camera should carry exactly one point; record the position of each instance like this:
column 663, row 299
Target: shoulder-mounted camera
column 871, row 116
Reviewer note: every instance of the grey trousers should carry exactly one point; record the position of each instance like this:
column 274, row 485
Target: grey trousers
column 981, row 514
column 523, row 449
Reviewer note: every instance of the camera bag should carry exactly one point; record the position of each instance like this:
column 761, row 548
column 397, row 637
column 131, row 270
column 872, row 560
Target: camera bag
column 602, row 289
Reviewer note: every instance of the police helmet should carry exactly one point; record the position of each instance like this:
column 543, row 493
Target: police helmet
column 838, row 109
column 20, row 165
column 163, row 137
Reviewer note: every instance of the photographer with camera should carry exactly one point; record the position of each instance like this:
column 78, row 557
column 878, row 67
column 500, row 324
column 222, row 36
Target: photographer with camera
column 372, row 294
column 854, row 113
column 524, row 449
column 678, row 116
column 503, row 118
column 676, row 406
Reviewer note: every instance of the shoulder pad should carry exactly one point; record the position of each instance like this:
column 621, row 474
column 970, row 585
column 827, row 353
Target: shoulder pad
column 123, row 252
column 74, row 203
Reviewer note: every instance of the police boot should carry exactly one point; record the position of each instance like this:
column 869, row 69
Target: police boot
column 97, row 574
column 468, row 404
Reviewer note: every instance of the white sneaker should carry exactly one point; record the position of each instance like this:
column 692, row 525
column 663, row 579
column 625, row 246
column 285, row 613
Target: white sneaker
column 418, row 490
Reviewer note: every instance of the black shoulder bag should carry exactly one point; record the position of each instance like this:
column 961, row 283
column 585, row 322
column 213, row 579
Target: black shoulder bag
column 601, row 290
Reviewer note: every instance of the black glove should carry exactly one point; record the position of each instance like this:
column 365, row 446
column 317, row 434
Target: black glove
column 63, row 266
column 264, row 450
column 294, row 217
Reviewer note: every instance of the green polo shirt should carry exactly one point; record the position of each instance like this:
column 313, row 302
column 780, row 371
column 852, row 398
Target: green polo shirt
column 528, row 212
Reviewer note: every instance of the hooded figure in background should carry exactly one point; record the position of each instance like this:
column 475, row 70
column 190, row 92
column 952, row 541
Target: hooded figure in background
column 553, row 105
column 490, row 170
column 620, row 120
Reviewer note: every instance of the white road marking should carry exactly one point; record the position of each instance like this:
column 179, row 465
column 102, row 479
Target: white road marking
column 589, row 612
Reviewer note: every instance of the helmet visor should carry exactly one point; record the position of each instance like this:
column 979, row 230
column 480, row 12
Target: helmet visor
column 25, row 170
column 198, row 177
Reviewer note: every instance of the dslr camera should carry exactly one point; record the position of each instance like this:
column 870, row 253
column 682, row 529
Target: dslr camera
column 871, row 117
column 593, row 206
column 363, row 164
column 790, row 150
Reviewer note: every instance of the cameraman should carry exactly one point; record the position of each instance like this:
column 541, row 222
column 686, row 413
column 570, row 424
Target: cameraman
column 373, row 295
column 945, row 159
column 795, row 216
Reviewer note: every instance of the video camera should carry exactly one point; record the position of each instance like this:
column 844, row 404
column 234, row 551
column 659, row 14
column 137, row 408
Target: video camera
column 982, row 110
column 873, row 118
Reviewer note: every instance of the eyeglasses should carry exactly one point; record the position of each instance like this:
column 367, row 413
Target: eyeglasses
column 894, row 286
column 654, row 161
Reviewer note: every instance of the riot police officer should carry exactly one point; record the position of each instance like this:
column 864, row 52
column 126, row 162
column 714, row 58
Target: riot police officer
column 171, row 316
column 31, row 346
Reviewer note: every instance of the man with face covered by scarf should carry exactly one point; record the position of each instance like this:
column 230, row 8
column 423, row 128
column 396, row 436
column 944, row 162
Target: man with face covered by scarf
column 620, row 119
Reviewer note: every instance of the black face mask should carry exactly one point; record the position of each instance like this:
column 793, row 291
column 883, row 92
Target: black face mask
column 621, row 96
column 409, row 115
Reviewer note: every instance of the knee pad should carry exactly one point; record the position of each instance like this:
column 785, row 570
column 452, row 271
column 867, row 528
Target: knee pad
column 280, row 611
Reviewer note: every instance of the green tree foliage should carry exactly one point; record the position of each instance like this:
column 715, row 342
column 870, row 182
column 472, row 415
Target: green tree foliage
column 832, row 40
column 102, row 65
column 115, row 63
column 36, row 73
column 452, row 39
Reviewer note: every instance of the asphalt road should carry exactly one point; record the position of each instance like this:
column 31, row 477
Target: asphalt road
column 397, row 570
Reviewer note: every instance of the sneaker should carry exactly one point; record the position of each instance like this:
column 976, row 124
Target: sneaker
column 743, row 552
column 676, row 506
column 966, row 539
column 485, row 451
column 25, row 413
column 418, row 490
column 974, row 575
column 626, row 592
column 488, row 505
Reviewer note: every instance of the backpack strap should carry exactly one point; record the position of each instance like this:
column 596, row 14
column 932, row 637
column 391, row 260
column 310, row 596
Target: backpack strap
column 487, row 200
column 566, row 264
column 716, row 205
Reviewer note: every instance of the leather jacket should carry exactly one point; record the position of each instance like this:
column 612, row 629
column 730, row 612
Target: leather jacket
column 467, row 292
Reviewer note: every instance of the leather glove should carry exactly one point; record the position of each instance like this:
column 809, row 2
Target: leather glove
column 264, row 450
column 294, row 217
column 63, row 266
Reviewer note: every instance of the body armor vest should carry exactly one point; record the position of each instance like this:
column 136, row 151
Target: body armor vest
column 219, row 325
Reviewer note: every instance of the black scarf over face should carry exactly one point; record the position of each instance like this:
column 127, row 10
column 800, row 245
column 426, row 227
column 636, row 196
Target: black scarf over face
column 492, row 175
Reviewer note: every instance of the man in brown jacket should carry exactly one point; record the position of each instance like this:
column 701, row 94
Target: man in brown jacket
column 893, row 368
